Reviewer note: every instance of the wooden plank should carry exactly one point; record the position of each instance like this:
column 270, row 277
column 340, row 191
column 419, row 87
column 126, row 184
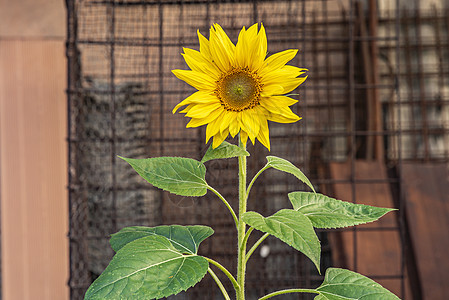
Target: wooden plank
column 33, row 169
column 378, row 252
column 426, row 191
column 32, row 18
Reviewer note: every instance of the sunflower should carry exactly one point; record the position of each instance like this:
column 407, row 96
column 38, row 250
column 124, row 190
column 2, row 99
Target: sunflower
column 239, row 88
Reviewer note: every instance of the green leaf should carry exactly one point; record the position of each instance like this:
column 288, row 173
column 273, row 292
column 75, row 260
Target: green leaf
column 225, row 150
column 186, row 239
column 344, row 284
column 291, row 227
column 148, row 268
column 286, row 166
column 178, row 175
column 326, row 212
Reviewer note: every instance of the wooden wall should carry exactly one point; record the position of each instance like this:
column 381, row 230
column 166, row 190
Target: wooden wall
column 34, row 221
column 33, row 150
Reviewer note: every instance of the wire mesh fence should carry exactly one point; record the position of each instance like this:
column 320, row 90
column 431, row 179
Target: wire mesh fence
column 378, row 90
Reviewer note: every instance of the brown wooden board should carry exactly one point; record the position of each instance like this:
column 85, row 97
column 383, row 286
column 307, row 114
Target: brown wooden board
column 33, row 170
column 426, row 191
column 378, row 251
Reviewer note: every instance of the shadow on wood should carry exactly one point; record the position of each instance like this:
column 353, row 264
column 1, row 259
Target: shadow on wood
column 378, row 252
column 426, row 194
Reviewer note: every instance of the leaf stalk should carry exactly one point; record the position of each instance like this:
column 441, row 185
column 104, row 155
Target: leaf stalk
column 236, row 221
column 220, row 285
column 225, row 271
column 254, row 179
column 281, row 292
column 254, row 247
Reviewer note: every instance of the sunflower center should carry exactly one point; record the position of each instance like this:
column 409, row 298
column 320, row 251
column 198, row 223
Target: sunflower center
column 239, row 89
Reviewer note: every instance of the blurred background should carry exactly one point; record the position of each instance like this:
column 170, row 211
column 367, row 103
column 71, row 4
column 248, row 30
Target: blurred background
column 83, row 81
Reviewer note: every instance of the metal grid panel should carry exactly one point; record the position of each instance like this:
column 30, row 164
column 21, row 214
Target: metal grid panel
column 121, row 93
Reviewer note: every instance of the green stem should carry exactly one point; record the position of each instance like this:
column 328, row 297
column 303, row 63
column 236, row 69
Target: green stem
column 226, row 203
column 254, row 247
column 241, row 228
column 218, row 282
column 225, row 271
column 254, row 179
column 288, row 292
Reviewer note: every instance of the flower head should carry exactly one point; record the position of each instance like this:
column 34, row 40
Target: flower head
column 239, row 88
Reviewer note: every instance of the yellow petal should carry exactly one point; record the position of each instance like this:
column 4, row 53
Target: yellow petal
column 252, row 46
column 224, row 39
column 271, row 89
column 292, row 84
column 276, row 77
column 241, row 49
column 234, row 128
column 219, row 138
column 277, row 104
column 264, row 134
column 262, row 49
column 197, row 97
column 294, row 71
column 197, row 62
column 287, row 116
column 283, row 100
column 204, row 45
column 278, row 60
column 203, row 110
column 203, row 121
column 186, row 109
column 252, row 32
column 270, row 106
column 263, row 41
column 198, row 80
column 221, row 48
column 251, row 123
column 182, row 103
column 212, row 129
column 228, row 118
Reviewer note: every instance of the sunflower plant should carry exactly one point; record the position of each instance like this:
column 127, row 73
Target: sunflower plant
column 240, row 89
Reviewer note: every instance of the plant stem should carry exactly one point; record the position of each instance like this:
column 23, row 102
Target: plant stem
column 226, row 203
column 225, row 271
column 254, row 247
column 241, row 230
column 288, row 292
column 220, row 285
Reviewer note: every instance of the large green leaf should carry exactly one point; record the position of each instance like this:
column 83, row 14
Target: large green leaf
column 326, row 212
column 341, row 284
column 286, row 166
column 225, row 150
column 291, row 227
column 186, row 239
column 178, row 175
column 148, row 268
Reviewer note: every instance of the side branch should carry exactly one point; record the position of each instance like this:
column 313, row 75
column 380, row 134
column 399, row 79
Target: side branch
column 288, row 292
column 225, row 271
column 256, row 244
column 254, row 179
column 236, row 221
column 218, row 282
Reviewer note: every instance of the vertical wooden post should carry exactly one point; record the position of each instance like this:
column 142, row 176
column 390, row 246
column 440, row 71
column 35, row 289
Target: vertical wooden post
column 33, row 169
